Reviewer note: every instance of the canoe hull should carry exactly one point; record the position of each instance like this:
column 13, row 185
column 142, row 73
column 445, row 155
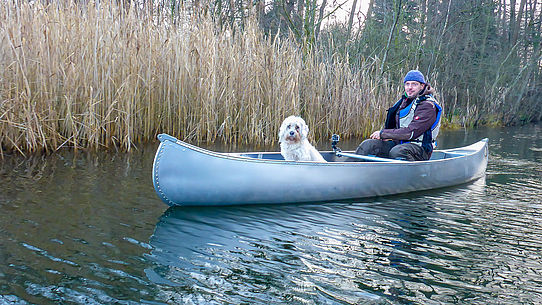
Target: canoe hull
column 187, row 175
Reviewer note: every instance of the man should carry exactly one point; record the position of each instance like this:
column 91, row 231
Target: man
column 412, row 124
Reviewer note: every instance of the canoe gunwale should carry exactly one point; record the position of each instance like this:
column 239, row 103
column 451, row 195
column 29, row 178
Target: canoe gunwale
column 187, row 175
column 243, row 156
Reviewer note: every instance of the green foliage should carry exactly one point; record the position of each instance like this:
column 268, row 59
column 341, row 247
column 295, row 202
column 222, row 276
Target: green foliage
column 482, row 58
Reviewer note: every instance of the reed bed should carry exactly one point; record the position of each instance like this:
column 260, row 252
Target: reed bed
column 105, row 76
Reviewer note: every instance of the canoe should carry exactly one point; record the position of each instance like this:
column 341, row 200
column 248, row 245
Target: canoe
column 187, row 175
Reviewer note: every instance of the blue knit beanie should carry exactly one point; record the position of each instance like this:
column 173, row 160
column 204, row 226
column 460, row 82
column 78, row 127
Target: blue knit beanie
column 414, row 75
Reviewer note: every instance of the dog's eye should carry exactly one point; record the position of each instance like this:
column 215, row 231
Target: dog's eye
column 296, row 127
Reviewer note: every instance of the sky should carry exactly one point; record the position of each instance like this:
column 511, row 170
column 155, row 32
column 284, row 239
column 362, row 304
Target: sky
column 343, row 12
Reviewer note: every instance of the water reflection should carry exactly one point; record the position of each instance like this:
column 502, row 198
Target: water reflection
column 375, row 251
column 74, row 228
column 89, row 229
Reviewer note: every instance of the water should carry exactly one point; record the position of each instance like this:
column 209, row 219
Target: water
column 89, row 229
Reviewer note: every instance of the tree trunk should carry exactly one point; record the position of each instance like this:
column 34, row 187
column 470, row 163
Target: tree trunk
column 351, row 18
column 369, row 10
column 390, row 37
column 517, row 22
column 367, row 17
column 512, row 21
column 421, row 37
column 320, row 18
column 504, row 38
column 440, row 39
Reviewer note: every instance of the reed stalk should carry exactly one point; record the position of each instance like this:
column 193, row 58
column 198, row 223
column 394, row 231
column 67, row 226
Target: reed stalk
column 106, row 76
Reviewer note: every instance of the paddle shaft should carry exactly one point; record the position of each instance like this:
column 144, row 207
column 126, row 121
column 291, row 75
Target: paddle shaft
column 366, row 158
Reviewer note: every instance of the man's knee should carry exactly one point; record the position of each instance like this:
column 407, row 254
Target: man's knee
column 400, row 152
column 368, row 147
column 409, row 152
column 375, row 147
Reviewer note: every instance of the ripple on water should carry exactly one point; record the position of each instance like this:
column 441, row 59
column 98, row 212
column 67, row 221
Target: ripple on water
column 75, row 233
column 444, row 246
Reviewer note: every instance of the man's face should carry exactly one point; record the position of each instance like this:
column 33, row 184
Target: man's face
column 412, row 88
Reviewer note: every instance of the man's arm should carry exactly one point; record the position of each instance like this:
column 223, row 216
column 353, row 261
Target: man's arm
column 424, row 117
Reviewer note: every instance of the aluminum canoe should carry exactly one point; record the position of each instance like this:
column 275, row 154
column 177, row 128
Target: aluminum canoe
column 187, row 175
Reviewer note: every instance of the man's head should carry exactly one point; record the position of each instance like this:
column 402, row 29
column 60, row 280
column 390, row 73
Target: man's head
column 414, row 82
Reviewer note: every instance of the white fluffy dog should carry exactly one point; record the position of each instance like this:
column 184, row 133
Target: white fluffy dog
column 294, row 145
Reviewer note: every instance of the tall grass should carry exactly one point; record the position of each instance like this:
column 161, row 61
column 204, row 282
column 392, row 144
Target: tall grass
column 104, row 76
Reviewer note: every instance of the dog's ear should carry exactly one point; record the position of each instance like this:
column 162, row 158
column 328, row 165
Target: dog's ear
column 282, row 130
column 305, row 130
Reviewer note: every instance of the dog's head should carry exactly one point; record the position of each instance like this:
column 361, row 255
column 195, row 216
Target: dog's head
column 293, row 130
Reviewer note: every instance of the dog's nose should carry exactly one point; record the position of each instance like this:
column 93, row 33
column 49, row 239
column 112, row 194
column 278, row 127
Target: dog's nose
column 292, row 133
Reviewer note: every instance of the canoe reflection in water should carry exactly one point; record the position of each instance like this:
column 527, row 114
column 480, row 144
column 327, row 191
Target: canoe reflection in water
column 376, row 251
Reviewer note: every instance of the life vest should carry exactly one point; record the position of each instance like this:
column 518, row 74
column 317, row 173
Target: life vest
column 406, row 115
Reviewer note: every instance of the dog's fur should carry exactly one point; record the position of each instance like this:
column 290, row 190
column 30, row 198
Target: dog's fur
column 294, row 145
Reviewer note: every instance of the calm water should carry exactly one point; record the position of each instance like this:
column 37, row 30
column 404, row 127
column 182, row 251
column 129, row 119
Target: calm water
column 89, row 229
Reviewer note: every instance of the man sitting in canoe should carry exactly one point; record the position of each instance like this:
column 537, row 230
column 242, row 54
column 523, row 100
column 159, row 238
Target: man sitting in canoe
column 412, row 124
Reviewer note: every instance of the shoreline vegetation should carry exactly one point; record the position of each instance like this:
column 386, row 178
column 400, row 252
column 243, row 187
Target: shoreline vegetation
column 95, row 76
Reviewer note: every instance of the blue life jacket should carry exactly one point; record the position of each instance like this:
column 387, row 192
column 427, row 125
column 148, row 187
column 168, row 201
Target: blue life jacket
column 428, row 139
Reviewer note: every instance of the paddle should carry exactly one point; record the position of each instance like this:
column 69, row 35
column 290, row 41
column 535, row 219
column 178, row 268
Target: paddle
column 335, row 140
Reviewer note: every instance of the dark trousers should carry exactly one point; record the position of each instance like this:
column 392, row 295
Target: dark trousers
column 388, row 149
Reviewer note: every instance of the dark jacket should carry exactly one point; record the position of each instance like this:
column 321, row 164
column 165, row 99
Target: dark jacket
column 425, row 115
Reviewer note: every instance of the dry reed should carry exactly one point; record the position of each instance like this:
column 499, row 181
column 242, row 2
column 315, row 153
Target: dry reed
column 105, row 76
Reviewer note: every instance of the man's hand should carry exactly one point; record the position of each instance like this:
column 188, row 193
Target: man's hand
column 375, row 135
